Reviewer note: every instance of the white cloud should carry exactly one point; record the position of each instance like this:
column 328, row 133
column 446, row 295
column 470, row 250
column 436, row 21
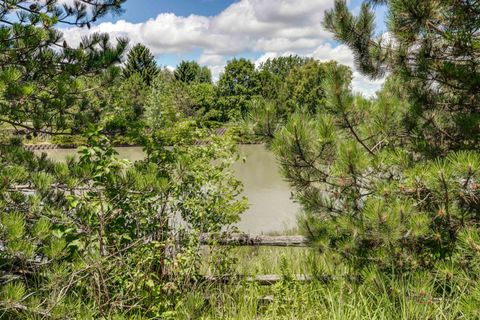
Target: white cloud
column 340, row 53
column 211, row 59
column 364, row 85
column 265, row 57
column 272, row 27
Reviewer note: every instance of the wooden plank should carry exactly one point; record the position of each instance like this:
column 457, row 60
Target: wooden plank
column 262, row 280
column 256, row 240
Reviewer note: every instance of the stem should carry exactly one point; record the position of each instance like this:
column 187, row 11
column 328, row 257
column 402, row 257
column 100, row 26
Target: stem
column 101, row 230
column 17, row 124
column 447, row 197
column 352, row 130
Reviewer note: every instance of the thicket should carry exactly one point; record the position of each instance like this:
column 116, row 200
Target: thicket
column 389, row 185
column 98, row 237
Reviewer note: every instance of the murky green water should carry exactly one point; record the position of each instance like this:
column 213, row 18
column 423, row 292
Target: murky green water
column 271, row 209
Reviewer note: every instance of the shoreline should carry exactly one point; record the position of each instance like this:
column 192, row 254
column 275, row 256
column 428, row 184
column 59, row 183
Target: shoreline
column 51, row 146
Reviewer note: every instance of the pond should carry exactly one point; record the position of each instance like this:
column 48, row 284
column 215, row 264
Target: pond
column 271, row 208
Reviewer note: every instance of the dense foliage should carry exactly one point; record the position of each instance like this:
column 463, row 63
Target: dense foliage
column 392, row 182
column 237, row 85
column 192, row 72
column 389, row 185
column 102, row 236
column 141, row 61
column 433, row 46
column 43, row 81
column 97, row 236
column 288, row 85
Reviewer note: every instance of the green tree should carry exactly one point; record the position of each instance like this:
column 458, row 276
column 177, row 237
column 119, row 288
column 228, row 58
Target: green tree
column 98, row 236
column 433, row 47
column 195, row 101
column 187, row 71
column 237, row 85
column 273, row 72
column 205, row 75
column 288, row 85
column 303, row 87
column 281, row 66
column 203, row 102
column 191, row 71
column 265, row 119
column 123, row 106
column 39, row 91
column 368, row 201
column 141, row 61
column 392, row 182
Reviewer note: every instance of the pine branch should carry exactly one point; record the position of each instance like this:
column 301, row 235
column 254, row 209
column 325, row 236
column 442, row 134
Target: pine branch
column 33, row 129
column 354, row 133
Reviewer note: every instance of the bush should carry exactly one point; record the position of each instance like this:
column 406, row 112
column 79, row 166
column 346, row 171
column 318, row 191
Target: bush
column 101, row 236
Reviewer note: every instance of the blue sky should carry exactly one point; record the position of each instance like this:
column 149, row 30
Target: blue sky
column 214, row 31
column 141, row 10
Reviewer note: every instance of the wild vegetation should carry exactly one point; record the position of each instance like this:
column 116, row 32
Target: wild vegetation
column 389, row 185
column 99, row 237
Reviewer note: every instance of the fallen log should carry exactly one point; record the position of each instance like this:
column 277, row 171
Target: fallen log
column 262, row 280
column 255, row 240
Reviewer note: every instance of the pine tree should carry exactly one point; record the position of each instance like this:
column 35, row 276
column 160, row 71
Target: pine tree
column 187, row 71
column 191, row 72
column 205, row 75
column 369, row 200
column 91, row 238
column 433, row 46
column 141, row 61
column 38, row 88
column 392, row 182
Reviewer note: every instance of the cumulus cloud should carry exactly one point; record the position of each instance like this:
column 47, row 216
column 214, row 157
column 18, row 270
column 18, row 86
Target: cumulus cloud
column 364, row 85
column 268, row 27
column 340, row 53
column 211, row 59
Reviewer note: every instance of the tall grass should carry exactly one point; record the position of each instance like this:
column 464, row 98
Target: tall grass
column 371, row 296
column 318, row 301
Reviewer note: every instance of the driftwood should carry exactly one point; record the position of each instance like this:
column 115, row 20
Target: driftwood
column 256, row 240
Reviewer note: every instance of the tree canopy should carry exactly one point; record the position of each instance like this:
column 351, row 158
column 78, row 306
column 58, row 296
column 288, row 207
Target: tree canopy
column 191, row 71
column 433, row 47
column 141, row 61
column 236, row 86
column 42, row 78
